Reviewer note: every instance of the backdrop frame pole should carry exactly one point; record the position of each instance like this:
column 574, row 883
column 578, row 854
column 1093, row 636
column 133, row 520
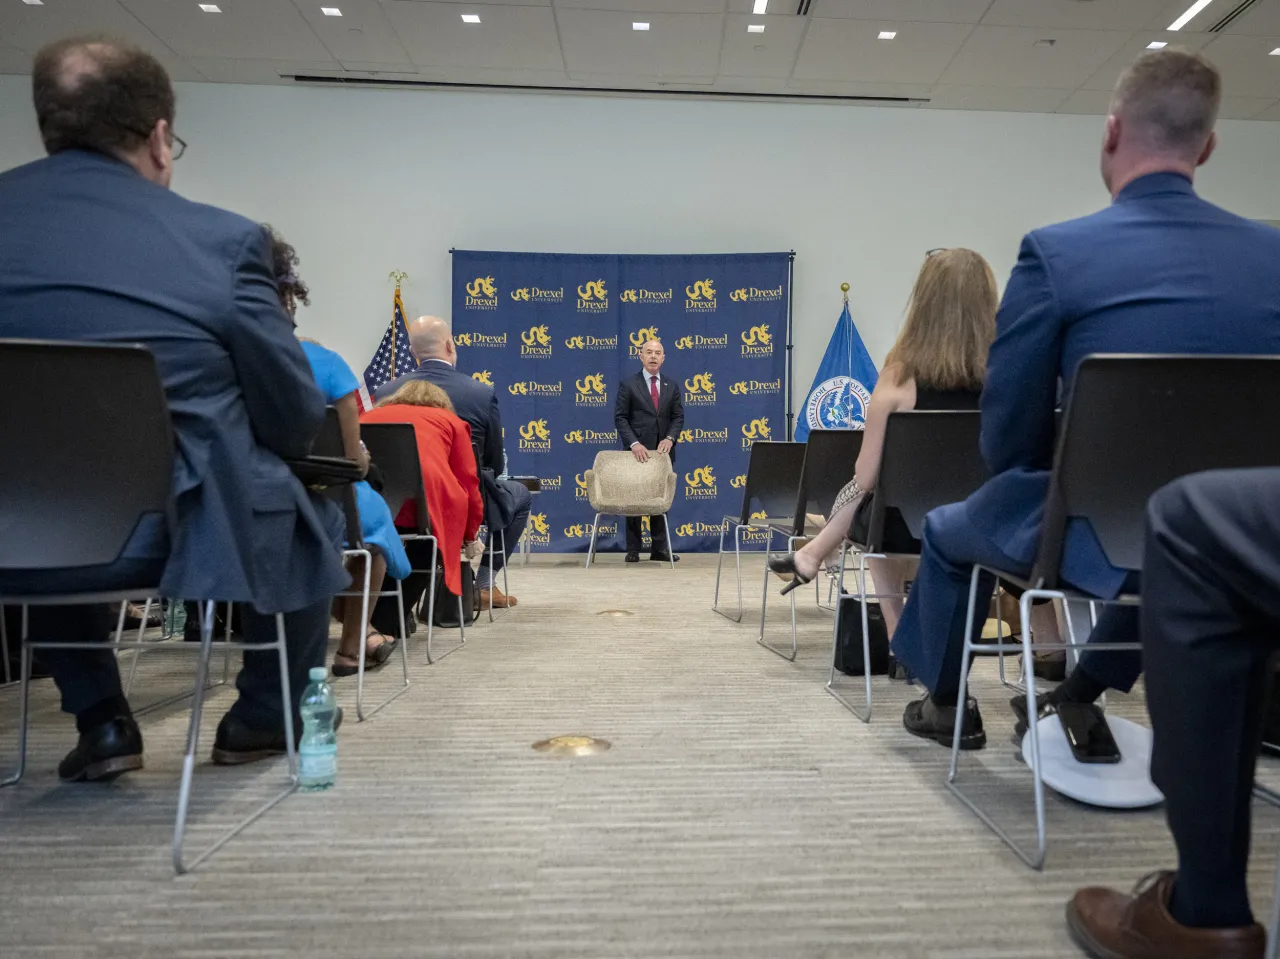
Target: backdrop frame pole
column 791, row 273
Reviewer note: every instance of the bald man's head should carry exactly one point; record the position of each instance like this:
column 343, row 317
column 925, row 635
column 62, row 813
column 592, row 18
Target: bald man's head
column 430, row 339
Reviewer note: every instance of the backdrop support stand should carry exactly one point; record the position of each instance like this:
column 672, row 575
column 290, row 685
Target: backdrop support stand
column 791, row 274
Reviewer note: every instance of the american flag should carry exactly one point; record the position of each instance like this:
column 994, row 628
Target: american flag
column 392, row 358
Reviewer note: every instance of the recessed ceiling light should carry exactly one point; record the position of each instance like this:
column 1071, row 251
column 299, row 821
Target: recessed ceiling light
column 1276, row 52
column 1045, row 43
column 1190, row 13
column 471, row 18
column 1157, row 45
column 34, row 3
column 331, row 11
column 755, row 28
column 760, row 7
column 639, row 26
column 888, row 34
column 210, row 8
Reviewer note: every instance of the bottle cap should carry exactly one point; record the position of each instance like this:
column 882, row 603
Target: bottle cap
column 318, row 674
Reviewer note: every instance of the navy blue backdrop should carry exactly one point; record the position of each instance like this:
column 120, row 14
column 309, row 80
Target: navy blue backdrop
column 554, row 333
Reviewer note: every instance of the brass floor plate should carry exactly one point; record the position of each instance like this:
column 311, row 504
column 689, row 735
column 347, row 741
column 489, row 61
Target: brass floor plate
column 573, row 746
column 615, row 612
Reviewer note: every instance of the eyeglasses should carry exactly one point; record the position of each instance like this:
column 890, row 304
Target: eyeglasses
column 934, row 252
column 178, row 144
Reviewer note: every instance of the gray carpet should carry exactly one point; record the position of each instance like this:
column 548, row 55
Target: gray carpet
column 741, row 812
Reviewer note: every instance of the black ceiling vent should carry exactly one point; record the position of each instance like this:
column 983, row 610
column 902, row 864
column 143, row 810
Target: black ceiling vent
column 1232, row 17
column 803, row 9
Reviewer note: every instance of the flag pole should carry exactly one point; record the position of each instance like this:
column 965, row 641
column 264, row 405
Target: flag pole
column 397, row 307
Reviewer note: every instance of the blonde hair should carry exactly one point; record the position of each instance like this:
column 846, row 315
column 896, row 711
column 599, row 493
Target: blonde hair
column 418, row 393
column 951, row 321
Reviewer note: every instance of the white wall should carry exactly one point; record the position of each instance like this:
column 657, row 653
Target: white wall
column 365, row 181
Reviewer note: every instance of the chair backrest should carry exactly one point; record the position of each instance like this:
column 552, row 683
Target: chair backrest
column 773, row 477
column 930, row 458
column 328, row 441
column 86, row 450
column 1136, row 423
column 830, row 457
column 394, row 447
column 620, row 485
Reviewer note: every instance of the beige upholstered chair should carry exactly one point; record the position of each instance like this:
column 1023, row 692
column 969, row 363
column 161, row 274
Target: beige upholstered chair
column 618, row 485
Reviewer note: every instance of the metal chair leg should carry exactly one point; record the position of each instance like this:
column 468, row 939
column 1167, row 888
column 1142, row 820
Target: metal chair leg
column 791, row 542
column 4, row 647
column 737, row 559
column 671, row 548
column 591, row 547
column 865, row 712
column 24, row 702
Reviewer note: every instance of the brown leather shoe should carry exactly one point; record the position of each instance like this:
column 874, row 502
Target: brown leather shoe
column 499, row 599
column 1111, row 925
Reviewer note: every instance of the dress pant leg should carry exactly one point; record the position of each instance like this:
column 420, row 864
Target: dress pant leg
column 521, row 506
column 635, row 533
column 658, row 535
column 1210, row 619
column 85, row 677
column 1114, row 668
column 306, row 637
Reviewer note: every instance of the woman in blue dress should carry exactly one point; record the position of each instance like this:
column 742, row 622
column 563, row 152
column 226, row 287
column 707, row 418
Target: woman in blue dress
column 340, row 386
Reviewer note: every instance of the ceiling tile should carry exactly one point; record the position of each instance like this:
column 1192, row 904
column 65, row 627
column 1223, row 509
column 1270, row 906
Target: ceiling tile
column 844, row 88
column 1095, row 102
column 508, row 36
column 267, row 72
column 1271, row 113
column 1073, row 14
column 361, row 33
column 1202, row 21
column 1261, row 20
column 849, row 50
column 768, row 54
column 14, row 61
column 1009, row 57
column 249, row 29
column 902, row 11
column 1006, row 99
column 372, row 66
column 481, row 3
column 601, row 41
column 1247, row 68
column 648, row 6
column 1244, row 108
column 1135, row 46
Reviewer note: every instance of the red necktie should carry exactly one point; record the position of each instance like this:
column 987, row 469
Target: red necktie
column 653, row 391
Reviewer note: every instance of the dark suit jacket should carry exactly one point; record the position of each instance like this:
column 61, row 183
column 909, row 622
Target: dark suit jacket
column 1159, row 271
column 477, row 405
column 89, row 250
column 638, row 421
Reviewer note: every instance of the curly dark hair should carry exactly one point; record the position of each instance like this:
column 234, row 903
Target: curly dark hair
column 284, row 258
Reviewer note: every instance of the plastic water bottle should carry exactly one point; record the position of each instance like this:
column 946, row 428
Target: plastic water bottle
column 318, row 751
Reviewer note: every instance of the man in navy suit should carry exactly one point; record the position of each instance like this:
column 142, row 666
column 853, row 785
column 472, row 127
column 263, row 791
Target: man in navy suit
column 1159, row 271
column 649, row 415
column 94, row 246
column 507, row 502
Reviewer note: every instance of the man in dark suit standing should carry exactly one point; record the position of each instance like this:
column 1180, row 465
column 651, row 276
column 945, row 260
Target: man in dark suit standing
column 1158, row 271
column 649, row 415
column 507, row 502
column 96, row 247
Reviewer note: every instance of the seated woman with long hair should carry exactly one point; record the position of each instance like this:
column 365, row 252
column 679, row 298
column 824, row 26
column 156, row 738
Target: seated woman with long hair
column 449, row 476
column 939, row 362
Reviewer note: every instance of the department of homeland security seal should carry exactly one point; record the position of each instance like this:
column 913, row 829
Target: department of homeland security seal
column 839, row 403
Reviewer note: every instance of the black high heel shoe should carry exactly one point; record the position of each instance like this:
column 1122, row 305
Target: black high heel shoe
column 787, row 564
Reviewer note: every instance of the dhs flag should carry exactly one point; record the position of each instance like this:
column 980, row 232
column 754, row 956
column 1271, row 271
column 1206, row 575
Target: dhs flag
column 842, row 389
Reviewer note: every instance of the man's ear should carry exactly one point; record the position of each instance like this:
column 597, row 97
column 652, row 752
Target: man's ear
column 158, row 145
column 1209, row 147
column 1111, row 134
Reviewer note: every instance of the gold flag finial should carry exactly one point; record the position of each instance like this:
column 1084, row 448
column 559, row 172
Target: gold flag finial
column 844, row 288
column 398, row 276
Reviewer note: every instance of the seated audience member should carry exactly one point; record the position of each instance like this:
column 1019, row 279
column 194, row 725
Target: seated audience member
column 96, row 247
column 508, row 502
column 339, row 386
column 1210, row 631
column 448, row 472
column 938, row 363
column 1159, row 271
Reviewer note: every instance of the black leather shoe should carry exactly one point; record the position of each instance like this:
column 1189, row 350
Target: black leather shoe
column 633, row 556
column 663, row 557
column 104, row 752
column 928, row 720
column 238, row 743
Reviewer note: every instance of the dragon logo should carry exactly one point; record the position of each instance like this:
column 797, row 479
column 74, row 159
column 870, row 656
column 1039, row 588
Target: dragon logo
column 684, row 343
column 537, row 430
column 539, row 523
column 701, row 290
column 462, row 339
column 700, row 383
column 739, row 388
column 537, row 336
column 759, row 514
column 629, row 296
column 522, row 294
column 591, row 383
column 758, row 335
column 578, row 531
column 686, row 436
column 757, row 429
column 739, row 481
column 738, row 296
column 576, row 343
column 518, row 389
column 575, row 436
column 593, row 290
column 643, row 335
column 685, row 529
column 484, row 376
column 482, row 286
column 701, row 477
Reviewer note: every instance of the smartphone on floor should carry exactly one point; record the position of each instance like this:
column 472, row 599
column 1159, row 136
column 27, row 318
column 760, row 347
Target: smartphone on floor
column 1088, row 733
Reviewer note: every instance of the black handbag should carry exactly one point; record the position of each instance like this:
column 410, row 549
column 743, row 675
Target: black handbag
column 446, row 608
column 849, row 639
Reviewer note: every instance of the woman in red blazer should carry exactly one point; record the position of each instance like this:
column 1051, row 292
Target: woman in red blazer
column 448, row 469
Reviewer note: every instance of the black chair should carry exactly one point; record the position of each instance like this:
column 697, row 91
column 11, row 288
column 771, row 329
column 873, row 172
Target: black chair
column 394, row 447
column 501, row 534
column 76, row 479
column 768, row 494
column 1133, row 425
column 829, row 460
column 930, row 458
